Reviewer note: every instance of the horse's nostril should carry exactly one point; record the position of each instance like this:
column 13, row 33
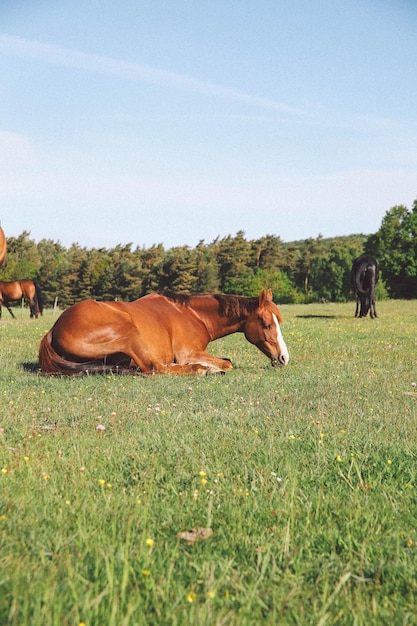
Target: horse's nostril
column 281, row 360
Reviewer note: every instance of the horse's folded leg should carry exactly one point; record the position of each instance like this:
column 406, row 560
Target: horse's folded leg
column 190, row 369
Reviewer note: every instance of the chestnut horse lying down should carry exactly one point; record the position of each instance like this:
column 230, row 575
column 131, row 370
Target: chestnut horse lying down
column 159, row 333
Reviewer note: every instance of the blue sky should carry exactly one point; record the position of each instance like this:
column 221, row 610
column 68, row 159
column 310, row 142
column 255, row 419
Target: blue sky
column 175, row 121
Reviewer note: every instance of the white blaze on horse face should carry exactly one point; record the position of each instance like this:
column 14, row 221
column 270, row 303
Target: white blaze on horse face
column 284, row 356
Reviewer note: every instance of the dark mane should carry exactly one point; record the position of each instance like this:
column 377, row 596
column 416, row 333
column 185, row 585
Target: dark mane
column 178, row 298
column 229, row 306
column 235, row 306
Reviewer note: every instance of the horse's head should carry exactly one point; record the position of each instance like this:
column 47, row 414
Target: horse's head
column 264, row 331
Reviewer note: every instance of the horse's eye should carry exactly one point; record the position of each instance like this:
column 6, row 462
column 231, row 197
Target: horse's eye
column 267, row 326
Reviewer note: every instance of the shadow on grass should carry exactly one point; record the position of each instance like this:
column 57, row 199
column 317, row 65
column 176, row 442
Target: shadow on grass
column 33, row 368
column 306, row 317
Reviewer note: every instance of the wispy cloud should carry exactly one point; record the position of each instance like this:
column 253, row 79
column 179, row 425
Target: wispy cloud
column 66, row 57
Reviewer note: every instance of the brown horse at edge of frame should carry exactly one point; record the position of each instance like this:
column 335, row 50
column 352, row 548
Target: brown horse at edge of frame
column 3, row 246
column 159, row 333
column 16, row 290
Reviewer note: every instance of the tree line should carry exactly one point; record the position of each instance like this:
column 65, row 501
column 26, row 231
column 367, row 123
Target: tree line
column 314, row 269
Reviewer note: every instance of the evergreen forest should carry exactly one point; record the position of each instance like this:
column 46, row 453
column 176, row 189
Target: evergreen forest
column 311, row 270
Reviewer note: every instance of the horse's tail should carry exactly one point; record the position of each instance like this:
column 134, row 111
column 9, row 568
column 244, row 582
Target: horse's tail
column 50, row 362
column 38, row 298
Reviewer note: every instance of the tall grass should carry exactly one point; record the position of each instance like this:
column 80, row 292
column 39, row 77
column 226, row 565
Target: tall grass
column 307, row 477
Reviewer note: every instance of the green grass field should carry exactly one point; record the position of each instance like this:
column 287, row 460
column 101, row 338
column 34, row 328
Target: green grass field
column 305, row 476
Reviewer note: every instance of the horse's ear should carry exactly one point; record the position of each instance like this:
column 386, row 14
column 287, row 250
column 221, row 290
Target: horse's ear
column 265, row 296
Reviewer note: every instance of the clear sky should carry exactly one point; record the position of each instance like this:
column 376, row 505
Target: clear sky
column 175, row 121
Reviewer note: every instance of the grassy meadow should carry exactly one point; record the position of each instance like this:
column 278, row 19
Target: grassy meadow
column 300, row 484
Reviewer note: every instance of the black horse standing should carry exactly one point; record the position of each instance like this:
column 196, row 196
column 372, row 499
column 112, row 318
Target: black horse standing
column 365, row 274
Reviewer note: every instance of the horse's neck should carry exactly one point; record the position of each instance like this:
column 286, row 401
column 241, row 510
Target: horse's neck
column 208, row 310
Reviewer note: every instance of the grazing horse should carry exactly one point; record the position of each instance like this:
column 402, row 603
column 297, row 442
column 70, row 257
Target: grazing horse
column 365, row 274
column 159, row 333
column 18, row 289
column 3, row 246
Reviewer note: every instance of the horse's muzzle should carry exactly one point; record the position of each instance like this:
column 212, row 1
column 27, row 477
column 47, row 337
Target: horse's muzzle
column 280, row 361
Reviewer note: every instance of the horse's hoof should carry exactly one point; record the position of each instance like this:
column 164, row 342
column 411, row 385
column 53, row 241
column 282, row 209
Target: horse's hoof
column 215, row 371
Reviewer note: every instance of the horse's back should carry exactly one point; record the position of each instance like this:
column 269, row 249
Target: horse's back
column 91, row 314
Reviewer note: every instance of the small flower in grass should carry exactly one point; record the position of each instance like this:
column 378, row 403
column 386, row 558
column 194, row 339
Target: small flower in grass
column 109, row 485
column 292, row 436
column 389, row 462
column 204, row 481
column 82, row 469
column 100, row 427
column 26, row 458
column 413, row 384
column 211, row 594
column 146, row 572
column 192, row 596
column 338, row 458
column 101, row 482
column 4, row 470
column 149, row 542
column 45, row 476
column 203, row 474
